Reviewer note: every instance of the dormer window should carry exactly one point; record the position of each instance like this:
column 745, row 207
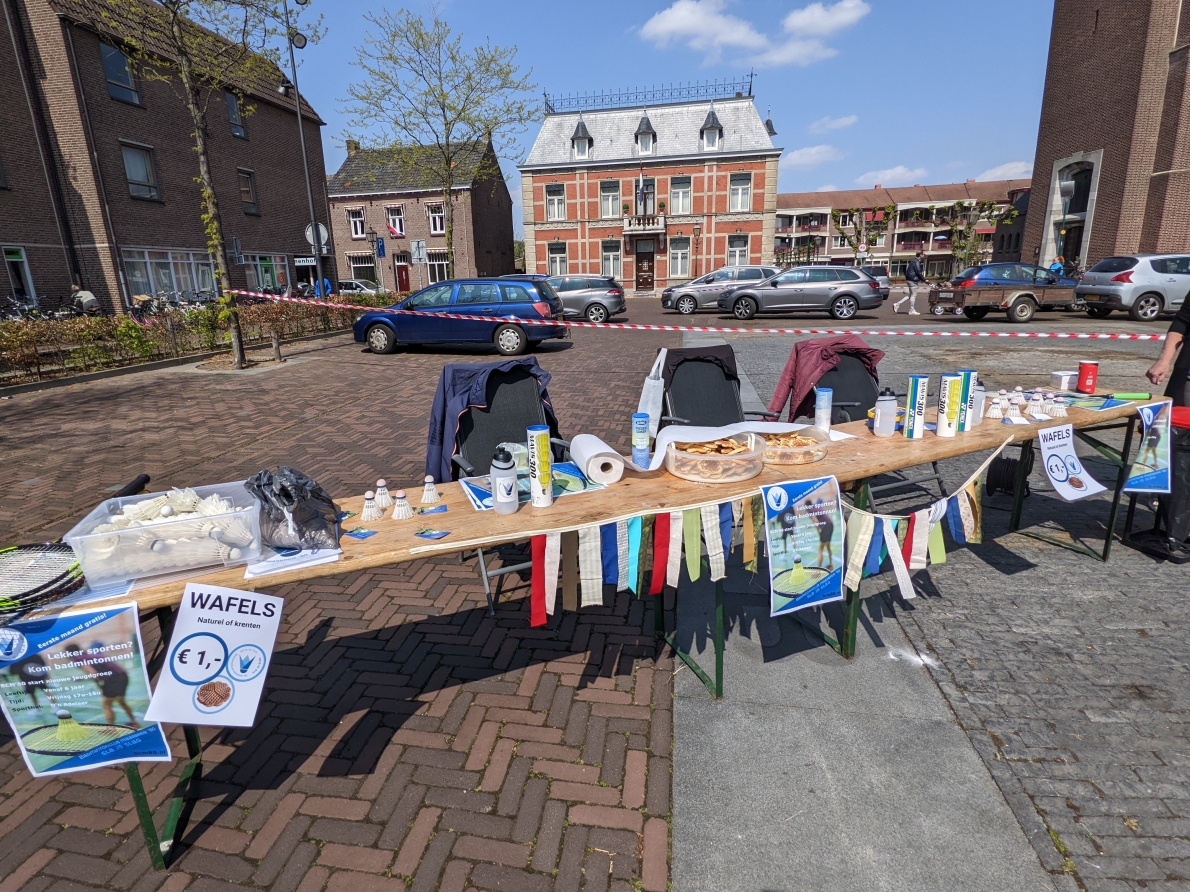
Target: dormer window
column 712, row 130
column 580, row 141
column 646, row 136
column 710, row 139
column 645, row 143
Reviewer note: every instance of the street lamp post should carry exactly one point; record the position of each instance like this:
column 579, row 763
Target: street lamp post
column 298, row 40
column 697, row 256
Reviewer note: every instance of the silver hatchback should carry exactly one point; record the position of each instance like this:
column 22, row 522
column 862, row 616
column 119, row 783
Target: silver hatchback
column 1146, row 285
column 703, row 293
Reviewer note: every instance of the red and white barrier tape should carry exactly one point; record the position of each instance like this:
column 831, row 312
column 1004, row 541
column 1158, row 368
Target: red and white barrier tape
column 630, row 326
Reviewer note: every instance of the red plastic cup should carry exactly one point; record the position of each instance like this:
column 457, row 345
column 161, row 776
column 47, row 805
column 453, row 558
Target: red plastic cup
column 1088, row 376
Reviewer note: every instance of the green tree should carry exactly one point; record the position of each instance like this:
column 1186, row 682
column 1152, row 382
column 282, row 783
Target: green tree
column 863, row 227
column 205, row 49
column 425, row 102
column 962, row 218
column 518, row 254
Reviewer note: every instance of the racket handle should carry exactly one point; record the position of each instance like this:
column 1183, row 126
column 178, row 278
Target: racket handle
column 134, row 487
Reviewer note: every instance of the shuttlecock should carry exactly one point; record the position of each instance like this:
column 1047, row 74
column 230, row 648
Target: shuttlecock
column 69, row 730
column 182, row 500
column 1047, row 404
column 797, row 576
column 402, row 510
column 1035, row 404
column 1059, row 409
column 371, row 510
column 995, row 410
column 429, row 495
column 383, row 498
column 1014, row 408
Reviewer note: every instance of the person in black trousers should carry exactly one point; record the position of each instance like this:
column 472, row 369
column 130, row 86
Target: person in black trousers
column 1174, row 363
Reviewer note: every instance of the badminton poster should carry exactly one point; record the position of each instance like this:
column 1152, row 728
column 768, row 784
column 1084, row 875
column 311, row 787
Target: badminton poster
column 75, row 690
column 804, row 525
column 218, row 657
column 1150, row 471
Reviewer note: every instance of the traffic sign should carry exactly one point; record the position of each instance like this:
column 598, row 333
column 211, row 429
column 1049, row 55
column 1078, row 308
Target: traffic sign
column 379, row 247
column 417, row 247
column 310, row 235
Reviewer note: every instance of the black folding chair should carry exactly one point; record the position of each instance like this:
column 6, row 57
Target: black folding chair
column 513, row 403
column 702, row 388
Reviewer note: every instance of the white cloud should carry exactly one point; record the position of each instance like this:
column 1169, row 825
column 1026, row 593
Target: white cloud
column 810, row 156
column 703, row 25
column 1013, row 170
column 825, row 125
column 829, row 187
column 892, row 176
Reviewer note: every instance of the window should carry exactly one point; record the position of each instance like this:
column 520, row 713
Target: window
column 793, row 277
column 838, row 241
column 737, row 250
column 645, row 143
column 261, row 270
column 363, row 266
column 646, row 197
column 822, row 274
column 486, row 293
column 710, row 139
column 555, row 202
column 679, row 258
column 679, row 195
column 437, row 220
column 431, row 297
column 151, row 272
column 118, row 72
column 609, row 200
column 740, row 194
column 233, row 115
column 395, row 218
column 751, row 275
column 19, row 279
column 582, row 148
column 517, row 294
column 248, row 192
column 570, row 283
column 611, row 259
column 138, row 168
column 556, row 259
column 877, row 242
column 844, row 220
column 439, row 265
column 355, row 220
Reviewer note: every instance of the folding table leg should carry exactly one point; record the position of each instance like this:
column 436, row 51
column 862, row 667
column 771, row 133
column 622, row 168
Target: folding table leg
column 1121, row 479
column 483, row 574
column 719, row 640
column 850, row 623
column 714, row 686
column 161, row 847
column 1020, row 485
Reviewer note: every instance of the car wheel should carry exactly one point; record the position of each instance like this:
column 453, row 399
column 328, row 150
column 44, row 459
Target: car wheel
column 686, row 305
column 938, row 311
column 1022, row 310
column 1099, row 312
column 1146, row 308
column 744, row 308
column 844, row 307
column 510, row 340
column 381, row 339
column 975, row 313
column 597, row 313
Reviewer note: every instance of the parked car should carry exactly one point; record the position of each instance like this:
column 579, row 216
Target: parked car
column 496, row 298
column 532, row 277
column 1019, row 289
column 703, row 293
column 841, row 291
column 357, row 286
column 880, row 274
column 1009, row 274
column 1146, row 285
column 594, row 298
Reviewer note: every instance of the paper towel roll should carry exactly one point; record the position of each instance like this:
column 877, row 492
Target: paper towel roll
column 598, row 461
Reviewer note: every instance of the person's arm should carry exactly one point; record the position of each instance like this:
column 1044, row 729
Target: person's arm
column 1160, row 370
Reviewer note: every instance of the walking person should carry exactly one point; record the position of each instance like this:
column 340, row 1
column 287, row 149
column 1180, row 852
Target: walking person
column 915, row 278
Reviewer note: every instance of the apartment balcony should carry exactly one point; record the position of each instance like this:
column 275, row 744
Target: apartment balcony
column 940, row 245
column 782, row 229
column 644, row 224
column 910, row 246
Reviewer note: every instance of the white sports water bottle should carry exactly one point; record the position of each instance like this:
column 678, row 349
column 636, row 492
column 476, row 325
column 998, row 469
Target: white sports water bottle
column 884, row 424
column 503, row 478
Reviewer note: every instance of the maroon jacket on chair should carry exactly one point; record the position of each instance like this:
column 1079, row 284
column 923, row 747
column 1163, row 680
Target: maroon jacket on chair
column 808, row 362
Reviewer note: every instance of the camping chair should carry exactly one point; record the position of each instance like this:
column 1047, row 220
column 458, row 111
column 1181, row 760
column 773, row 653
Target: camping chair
column 702, row 388
column 513, row 402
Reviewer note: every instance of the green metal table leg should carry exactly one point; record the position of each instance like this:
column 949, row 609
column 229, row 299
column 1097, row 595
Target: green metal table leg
column 1019, row 487
column 714, row 686
column 1121, row 479
column 161, row 847
column 719, row 640
column 137, row 788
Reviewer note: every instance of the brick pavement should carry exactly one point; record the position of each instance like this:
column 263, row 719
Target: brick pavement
column 406, row 740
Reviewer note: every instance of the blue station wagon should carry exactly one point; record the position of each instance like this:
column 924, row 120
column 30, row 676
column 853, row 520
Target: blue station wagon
column 500, row 299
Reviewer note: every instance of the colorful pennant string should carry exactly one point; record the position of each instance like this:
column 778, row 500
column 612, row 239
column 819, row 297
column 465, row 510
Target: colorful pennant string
column 553, row 558
column 537, row 583
column 691, row 518
column 673, row 569
column 621, row 555
column 712, row 532
column 660, row 553
column 590, row 567
column 611, row 558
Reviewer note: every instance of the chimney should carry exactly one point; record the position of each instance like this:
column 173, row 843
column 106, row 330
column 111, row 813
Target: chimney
column 969, row 182
column 352, row 147
column 878, row 186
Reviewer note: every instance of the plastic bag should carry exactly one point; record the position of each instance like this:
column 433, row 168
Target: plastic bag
column 652, row 393
column 295, row 512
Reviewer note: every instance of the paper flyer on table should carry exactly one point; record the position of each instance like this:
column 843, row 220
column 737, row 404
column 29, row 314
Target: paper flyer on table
column 277, row 560
column 1070, row 479
column 74, row 688
column 804, row 526
column 568, row 480
column 218, row 657
column 1150, row 471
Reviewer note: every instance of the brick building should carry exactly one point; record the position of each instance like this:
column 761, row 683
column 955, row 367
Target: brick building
column 1115, row 126
column 805, row 229
column 373, row 197
column 99, row 167
column 653, row 195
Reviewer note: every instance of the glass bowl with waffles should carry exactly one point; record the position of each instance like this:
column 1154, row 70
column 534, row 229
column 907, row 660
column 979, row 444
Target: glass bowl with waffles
column 798, row 447
column 725, row 460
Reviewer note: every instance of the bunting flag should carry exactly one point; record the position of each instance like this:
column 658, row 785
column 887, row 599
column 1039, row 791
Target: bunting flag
column 904, row 582
column 967, row 518
column 758, row 530
column 905, row 540
column 553, row 557
column 590, row 566
column 633, row 553
column 569, row 562
column 737, row 520
column 875, row 555
column 750, row 561
column 673, row 568
column 660, row 553
column 621, row 555
column 937, row 545
column 860, row 528
column 645, row 560
column 712, row 534
column 955, row 520
column 692, row 543
column 537, row 583
column 611, row 559
column 921, row 539
column 974, row 492
column 726, row 517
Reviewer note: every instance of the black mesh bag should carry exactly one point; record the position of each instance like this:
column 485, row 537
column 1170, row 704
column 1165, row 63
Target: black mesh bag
column 295, row 512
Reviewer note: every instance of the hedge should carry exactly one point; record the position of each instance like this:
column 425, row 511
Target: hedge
column 51, row 348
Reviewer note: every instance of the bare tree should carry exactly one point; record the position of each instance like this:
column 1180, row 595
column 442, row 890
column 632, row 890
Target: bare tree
column 862, row 227
column 429, row 106
column 205, row 49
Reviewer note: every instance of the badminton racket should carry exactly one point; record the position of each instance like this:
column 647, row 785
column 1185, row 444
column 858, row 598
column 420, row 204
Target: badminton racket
column 35, row 575
column 70, row 738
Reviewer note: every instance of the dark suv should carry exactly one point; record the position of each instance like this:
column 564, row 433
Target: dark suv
column 841, row 291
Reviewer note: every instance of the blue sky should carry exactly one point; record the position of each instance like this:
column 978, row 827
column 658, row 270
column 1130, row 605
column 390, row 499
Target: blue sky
column 861, row 91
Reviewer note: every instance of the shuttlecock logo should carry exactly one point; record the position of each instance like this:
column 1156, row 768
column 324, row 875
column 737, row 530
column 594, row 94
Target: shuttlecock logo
column 13, row 645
